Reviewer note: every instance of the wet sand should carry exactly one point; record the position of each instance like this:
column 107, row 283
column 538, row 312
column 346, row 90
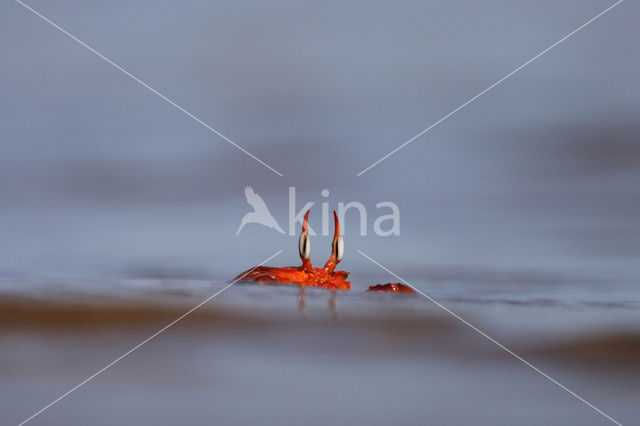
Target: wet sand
column 254, row 354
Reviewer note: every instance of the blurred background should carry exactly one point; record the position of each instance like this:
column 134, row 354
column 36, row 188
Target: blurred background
column 529, row 196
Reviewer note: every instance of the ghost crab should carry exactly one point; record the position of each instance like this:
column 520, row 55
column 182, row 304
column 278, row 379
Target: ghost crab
column 306, row 275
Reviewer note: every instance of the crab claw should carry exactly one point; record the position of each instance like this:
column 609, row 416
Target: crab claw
column 304, row 245
column 337, row 247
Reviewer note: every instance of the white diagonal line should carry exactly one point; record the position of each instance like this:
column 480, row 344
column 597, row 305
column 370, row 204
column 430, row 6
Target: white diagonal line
column 492, row 86
column 141, row 343
column 146, row 86
column 475, row 328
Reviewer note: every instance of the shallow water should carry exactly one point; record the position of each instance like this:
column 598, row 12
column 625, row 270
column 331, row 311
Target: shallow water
column 345, row 357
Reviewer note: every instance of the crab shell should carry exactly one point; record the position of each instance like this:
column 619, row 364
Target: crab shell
column 317, row 277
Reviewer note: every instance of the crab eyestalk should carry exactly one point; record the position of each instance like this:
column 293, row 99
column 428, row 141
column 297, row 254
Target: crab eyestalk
column 304, row 245
column 337, row 247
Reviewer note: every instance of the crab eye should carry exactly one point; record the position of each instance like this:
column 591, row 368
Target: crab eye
column 338, row 248
column 304, row 246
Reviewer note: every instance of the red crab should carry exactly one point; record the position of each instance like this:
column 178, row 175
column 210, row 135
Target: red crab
column 306, row 275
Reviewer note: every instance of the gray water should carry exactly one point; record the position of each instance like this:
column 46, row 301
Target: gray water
column 282, row 355
column 521, row 212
